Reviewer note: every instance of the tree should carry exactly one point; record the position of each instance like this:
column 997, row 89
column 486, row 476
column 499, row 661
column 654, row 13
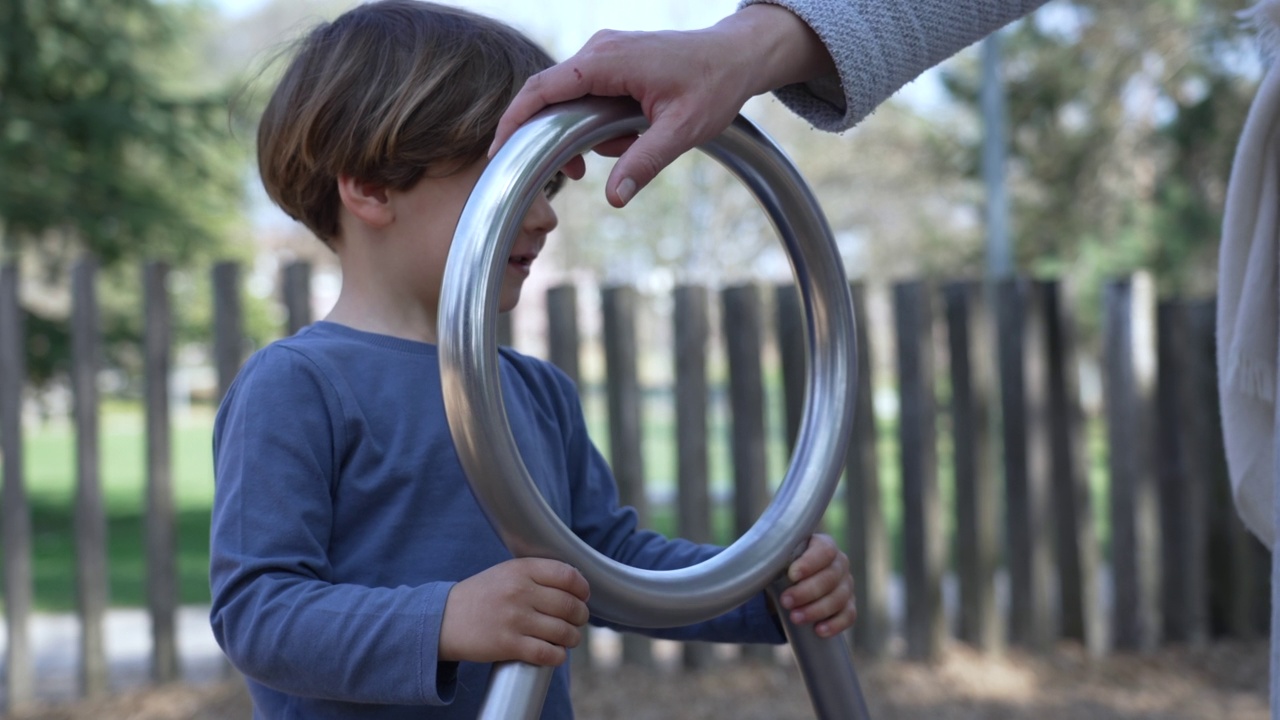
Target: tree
column 1123, row 118
column 106, row 148
column 100, row 152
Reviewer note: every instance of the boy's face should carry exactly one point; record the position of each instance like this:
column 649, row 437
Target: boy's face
column 426, row 217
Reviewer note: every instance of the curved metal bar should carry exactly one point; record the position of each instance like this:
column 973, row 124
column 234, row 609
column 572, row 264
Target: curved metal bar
column 477, row 415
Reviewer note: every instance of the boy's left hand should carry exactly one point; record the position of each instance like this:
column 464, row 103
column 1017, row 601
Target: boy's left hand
column 821, row 593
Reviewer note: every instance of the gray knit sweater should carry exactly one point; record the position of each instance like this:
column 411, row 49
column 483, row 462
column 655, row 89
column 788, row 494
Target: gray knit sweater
column 881, row 45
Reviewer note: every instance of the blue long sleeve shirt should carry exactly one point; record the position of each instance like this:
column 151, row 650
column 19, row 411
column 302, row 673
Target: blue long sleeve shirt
column 342, row 519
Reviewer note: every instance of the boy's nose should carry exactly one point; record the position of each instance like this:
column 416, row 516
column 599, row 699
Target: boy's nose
column 541, row 218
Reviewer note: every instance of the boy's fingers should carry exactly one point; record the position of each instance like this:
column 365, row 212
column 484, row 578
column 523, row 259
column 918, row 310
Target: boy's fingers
column 558, row 575
column 820, row 553
column 562, row 606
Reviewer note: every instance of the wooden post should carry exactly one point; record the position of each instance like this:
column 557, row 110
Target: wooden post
column 563, row 348
column 505, row 329
column 1236, row 570
column 790, row 334
column 90, row 513
column 976, row 490
column 562, row 328
column 692, row 334
column 162, row 563
column 1135, row 558
column 1189, row 447
column 297, row 295
column 1077, row 543
column 924, row 551
column 625, row 423
column 1027, row 521
column 16, row 512
column 1206, row 461
column 228, row 324
column 866, row 536
column 743, row 333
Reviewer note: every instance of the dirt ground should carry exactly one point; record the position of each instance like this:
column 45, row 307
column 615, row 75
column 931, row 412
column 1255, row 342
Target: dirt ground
column 1222, row 681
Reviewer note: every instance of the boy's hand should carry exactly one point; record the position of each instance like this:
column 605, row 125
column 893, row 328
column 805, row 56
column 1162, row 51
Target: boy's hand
column 821, row 593
column 527, row 609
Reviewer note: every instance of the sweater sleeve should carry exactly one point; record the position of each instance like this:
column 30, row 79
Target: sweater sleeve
column 276, row 611
column 880, row 45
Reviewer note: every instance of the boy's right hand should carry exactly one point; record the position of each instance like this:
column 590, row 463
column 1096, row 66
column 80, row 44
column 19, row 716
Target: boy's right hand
column 528, row 609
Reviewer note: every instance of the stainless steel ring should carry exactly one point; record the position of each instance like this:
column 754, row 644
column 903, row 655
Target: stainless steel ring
column 477, row 415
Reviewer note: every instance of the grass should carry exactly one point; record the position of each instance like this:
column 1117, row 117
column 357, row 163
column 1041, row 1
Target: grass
column 50, row 468
column 49, row 463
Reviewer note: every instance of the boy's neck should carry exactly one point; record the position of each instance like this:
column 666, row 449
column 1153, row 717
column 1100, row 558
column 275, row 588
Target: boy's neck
column 384, row 315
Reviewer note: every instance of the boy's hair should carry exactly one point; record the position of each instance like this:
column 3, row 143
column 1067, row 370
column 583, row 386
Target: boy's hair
column 386, row 93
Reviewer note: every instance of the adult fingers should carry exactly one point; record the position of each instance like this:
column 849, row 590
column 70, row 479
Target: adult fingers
column 654, row 150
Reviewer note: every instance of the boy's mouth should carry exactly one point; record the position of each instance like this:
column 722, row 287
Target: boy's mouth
column 522, row 262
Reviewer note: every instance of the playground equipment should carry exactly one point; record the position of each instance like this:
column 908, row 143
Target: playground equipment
column 499, row 478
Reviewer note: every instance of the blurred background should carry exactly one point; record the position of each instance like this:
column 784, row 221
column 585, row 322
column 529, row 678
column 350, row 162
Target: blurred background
column 127, row 177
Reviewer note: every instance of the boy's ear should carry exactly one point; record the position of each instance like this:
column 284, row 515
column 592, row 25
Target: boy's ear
column 367, row 201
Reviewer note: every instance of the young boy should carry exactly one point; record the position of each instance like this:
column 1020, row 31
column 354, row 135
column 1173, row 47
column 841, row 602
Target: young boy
column 353, row 574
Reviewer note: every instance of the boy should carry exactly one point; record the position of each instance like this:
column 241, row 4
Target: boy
column 353, row 574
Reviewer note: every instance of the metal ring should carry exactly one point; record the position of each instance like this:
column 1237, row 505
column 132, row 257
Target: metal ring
column 478, row 419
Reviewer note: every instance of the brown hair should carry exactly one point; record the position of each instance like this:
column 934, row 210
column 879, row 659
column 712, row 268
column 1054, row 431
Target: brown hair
column 385, row 93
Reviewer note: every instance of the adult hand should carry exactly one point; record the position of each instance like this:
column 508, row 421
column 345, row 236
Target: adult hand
column 528, row 609
column 690, row 84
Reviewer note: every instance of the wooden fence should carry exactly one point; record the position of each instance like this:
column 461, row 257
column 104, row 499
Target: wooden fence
column 990, row 369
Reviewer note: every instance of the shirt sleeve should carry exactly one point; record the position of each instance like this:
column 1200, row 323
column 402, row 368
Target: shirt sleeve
column 880, row 45
column 613, row 531
column 276, row 612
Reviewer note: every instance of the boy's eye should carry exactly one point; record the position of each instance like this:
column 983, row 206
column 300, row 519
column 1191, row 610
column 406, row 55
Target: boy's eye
column 553, row 185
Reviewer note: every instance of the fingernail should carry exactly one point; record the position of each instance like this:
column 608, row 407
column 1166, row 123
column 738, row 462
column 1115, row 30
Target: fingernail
column 797, row 618
column 787, row 602
column 626, row 190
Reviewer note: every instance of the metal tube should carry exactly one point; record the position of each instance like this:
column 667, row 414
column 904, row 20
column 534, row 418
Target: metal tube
column 516, row 692
column 477, row 416
column 826, row 665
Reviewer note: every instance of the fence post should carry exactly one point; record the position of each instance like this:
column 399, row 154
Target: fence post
column 1190, row 405
column 923, row 546
column 625, row 423
column 16, row 517
column 743, row 333
column 789, row 330
column 562, row 349
column 297, row 295
column 692, row 334
column 90, row 515
column 1128, row 377
column 228, row 324
column 976, row 491
column 162, row 576
column 1027, row 518
column 1236, row 564
column 563, row 343
column 864, row 526
column 505, row 329
column 1077, row 544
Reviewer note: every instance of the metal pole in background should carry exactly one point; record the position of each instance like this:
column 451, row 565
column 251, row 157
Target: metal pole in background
column 995, row 150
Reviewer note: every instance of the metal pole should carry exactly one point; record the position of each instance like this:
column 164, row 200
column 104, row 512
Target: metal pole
column 502, row 484
column 995, row 143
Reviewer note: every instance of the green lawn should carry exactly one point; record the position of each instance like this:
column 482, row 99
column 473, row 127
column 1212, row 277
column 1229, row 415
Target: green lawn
column 50, row 467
